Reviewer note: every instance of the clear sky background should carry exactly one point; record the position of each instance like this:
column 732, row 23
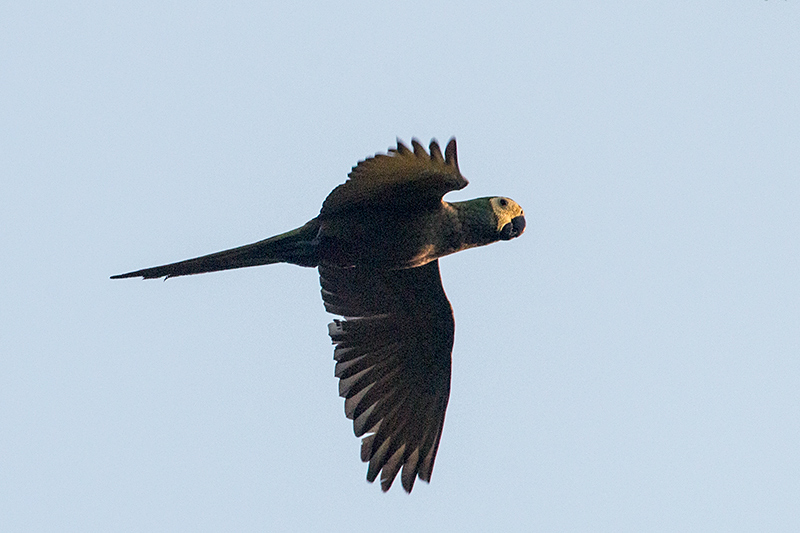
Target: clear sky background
column 632, row 363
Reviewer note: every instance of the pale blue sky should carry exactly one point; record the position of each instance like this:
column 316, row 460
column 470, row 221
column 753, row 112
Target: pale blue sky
column 632, row 363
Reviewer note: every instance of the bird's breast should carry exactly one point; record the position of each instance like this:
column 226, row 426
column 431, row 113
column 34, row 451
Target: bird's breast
column 383, row 240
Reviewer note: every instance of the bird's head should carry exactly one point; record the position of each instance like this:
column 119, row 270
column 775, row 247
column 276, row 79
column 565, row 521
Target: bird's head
column 510, row 217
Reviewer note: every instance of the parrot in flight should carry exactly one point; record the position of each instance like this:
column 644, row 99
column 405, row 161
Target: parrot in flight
column 377, row 242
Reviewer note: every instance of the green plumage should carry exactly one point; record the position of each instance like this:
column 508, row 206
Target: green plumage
column 376, row 242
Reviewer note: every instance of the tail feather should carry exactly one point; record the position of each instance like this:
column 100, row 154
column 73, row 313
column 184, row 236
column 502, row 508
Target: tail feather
column 291, row 247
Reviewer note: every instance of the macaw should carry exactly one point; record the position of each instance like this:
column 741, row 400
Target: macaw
column 377, row 242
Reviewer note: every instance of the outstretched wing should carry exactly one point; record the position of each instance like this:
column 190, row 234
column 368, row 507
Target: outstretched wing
column 401, row 178
column 393, row 353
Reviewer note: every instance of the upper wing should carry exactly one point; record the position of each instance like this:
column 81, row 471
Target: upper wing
column 400, row 178
column 393, row 354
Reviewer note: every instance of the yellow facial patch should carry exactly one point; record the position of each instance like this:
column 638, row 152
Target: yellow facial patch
column 505, row 209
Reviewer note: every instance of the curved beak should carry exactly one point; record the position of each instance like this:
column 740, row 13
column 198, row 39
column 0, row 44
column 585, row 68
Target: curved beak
column 513, row 228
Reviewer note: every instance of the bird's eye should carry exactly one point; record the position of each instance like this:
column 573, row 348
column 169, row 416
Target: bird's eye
column 503, row 202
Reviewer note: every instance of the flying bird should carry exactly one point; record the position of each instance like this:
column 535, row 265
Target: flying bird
column 377, row 242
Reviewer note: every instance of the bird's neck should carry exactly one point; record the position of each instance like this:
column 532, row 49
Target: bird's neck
column 473, row 223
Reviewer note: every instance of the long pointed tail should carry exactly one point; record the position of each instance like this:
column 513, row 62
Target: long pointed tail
column 291, row 247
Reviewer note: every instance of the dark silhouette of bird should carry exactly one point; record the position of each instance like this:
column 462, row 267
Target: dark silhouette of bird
column 377, row 242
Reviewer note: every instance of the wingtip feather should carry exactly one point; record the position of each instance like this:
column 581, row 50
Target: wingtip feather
column 419, row 150
column 401, row 149
column 450, row 153
column 436, row 152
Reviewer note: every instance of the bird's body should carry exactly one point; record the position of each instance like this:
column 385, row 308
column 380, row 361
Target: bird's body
column 376, row 242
